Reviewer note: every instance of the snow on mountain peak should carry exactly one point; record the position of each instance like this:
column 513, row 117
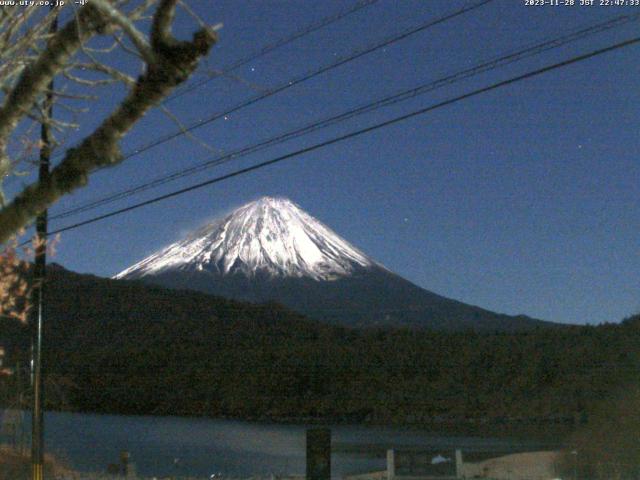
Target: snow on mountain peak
column 269, row 235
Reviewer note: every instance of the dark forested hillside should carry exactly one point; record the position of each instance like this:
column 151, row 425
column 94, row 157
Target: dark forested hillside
column 116, row 346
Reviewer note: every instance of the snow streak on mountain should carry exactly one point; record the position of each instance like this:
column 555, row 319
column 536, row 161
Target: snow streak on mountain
column 270, row 235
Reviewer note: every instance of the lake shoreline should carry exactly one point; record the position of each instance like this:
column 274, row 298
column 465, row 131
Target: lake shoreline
column 237, row 448
column 551, row 429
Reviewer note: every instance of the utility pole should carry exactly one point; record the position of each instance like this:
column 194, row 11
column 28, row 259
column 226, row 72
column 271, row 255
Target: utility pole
column 39, row 274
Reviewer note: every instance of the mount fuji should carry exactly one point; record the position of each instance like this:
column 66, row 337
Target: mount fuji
column 271, row 250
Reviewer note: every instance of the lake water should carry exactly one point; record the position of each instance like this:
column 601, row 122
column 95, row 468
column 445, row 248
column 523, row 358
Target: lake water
column 181, row 446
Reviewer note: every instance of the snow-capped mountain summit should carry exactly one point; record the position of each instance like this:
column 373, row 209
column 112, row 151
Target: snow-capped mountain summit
column 271, row 250
column 272, row 236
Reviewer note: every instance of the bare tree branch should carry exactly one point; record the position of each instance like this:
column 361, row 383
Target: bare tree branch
column 36, row 77
column 185, row 131
column 128, row 27
column 173, row 62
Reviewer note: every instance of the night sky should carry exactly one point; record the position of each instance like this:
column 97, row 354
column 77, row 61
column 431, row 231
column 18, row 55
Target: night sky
column 521, row 200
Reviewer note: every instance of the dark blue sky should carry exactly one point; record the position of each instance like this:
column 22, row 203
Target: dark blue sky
column 522, row 200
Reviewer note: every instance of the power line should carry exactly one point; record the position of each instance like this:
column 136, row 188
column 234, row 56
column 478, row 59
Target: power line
column 267, row 49
column 308, row 76
column 356, row 133
column 483, row 67
column 353, row 56
column 274, row 46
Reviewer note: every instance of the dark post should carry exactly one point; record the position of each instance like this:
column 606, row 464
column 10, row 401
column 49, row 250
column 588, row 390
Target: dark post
column 124, row 462
column 37, row 421
column 319, row 454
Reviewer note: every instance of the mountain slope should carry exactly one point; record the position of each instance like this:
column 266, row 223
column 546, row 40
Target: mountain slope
column 270, row 235
column 271, row 250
